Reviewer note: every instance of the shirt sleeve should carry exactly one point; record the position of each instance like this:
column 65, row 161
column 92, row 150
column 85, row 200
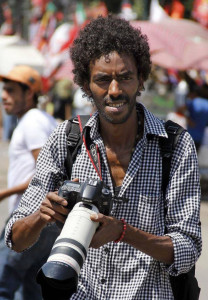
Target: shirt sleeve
column 49, row 172
column 183, row 207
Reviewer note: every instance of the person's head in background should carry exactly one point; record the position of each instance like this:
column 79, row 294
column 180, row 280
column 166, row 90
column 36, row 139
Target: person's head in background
column 21, row 88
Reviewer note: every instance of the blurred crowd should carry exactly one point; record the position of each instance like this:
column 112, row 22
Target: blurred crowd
column 189, row 92
column 184, row 95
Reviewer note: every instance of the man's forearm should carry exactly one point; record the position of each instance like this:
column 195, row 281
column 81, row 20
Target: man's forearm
column 159, row 247
column 26, row 231
column 18, row 189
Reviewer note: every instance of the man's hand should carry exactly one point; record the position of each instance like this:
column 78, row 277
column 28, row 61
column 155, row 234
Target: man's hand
column 110, row 229
column 53, row 208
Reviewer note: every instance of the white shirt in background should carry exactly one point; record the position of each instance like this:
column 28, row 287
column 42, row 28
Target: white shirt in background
column 31, row 133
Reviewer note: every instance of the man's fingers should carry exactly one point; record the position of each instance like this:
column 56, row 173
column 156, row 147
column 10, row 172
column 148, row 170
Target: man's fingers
column 54, row 205
column 75, row 180
column 98, row 218
column 52, row 208
column 53, row 196
column 53, row 212
column 52, row 216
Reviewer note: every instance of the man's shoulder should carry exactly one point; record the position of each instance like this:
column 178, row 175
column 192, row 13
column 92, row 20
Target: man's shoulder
column 60, row 131
column 201, row 102
column 38, row 124
column 32, row 115
column 35, row 112
column 39, row 116
column 154, row 126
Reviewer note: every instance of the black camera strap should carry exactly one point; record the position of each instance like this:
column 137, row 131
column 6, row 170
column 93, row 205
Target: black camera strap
column 74, row 142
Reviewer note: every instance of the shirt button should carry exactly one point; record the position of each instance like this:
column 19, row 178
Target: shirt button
column 103, row 281
column 107, row 250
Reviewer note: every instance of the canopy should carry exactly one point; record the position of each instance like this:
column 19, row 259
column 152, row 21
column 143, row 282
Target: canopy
column 176, row 43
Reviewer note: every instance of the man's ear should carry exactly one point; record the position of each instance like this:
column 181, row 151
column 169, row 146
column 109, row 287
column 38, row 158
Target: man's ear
column 140, row 87
column 30, row 96
column 141, row 84
column 87, row 89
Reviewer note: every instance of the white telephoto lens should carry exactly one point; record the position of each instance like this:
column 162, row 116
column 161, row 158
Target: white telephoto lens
column 72, row 244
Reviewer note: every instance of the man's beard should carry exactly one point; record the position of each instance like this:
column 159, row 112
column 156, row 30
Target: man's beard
column 130, row 104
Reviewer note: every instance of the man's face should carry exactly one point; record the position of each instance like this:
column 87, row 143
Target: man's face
column 14, row 99
column 113, row 86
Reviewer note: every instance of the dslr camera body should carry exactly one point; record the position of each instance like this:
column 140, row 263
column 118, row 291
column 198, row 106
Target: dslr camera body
column 58, row 277
column 92, row 191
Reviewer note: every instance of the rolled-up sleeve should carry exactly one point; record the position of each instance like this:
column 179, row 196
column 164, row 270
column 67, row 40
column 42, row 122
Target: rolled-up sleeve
column 183, row 207
column 49, row 172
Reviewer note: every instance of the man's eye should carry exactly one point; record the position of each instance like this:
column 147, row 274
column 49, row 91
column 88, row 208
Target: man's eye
column 9, row 90
column 125, row 78
column 104, row 79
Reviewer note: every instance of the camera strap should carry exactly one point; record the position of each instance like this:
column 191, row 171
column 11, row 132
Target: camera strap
column 92, row 149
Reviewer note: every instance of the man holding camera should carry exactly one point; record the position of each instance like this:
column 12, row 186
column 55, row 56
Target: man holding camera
column 138, row 245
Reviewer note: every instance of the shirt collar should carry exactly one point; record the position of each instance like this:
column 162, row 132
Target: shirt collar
column 153, row 126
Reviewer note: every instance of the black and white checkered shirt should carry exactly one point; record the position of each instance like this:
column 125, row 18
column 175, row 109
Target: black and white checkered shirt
column 119, row 271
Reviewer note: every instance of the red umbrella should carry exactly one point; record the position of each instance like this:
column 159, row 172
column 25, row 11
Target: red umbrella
column 176, row 43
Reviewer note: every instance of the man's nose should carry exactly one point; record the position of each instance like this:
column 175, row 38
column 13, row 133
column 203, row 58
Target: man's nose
column 114, row 89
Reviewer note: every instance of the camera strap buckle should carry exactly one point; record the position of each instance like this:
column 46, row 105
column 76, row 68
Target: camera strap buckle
column 75, row 120
column 72, row 139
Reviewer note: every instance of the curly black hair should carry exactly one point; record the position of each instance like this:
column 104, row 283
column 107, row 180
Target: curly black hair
column 103, row 36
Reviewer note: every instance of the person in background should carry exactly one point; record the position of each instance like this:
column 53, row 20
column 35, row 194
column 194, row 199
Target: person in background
column 7, row 122
column 21, row 88
column 180, row 95
column 62, row 97
column 197, row 114
column 138, row 245
column 81, row 105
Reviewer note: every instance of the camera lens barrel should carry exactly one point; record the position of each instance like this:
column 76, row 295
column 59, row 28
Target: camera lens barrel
column 69, row 252
column 72, row 244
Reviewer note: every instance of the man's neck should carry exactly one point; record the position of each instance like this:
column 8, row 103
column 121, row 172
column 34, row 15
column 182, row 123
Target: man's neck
column 19, row 116
column 120, row 141
column 119, row 135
